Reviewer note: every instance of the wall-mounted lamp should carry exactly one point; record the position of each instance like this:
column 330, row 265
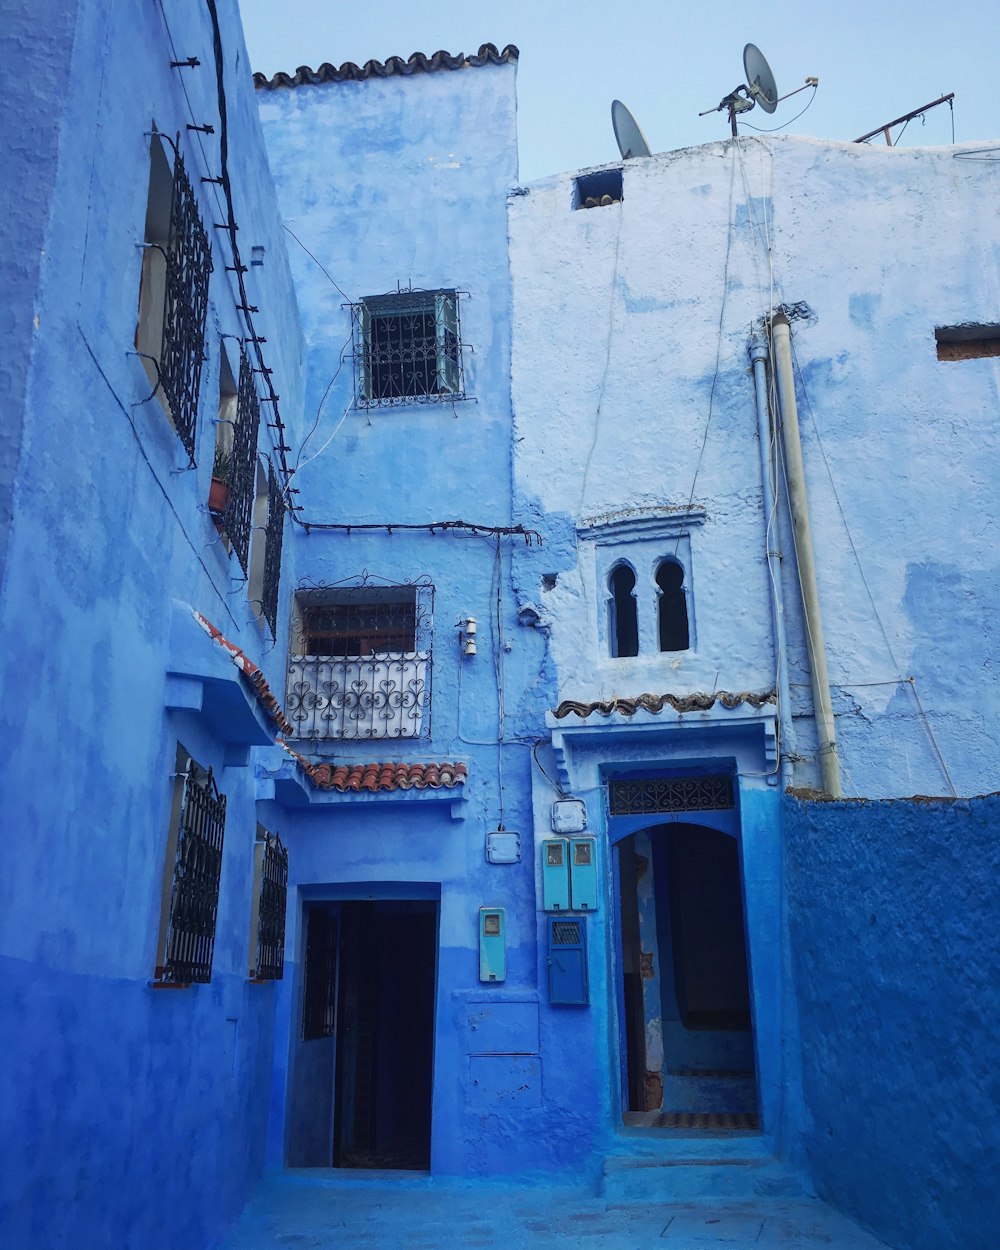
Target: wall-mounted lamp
column 467, row 635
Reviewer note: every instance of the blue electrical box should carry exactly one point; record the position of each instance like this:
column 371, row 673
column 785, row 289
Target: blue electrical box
column 568, row 983
column 492, row 944
column 583, row 874
column 555, row 874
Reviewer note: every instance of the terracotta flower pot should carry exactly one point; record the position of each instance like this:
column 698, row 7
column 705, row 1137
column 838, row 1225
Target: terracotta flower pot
column 218, row 495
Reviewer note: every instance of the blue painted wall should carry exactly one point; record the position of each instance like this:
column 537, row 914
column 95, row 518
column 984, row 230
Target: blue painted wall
column 397, row 181
column 131, row 1116
column 893, row 911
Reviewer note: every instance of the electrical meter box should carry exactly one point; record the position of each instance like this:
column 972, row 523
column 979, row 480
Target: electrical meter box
column 555, row 874
column 492, row 944
column 583, row 874
column 569, row 816
column 567, row 959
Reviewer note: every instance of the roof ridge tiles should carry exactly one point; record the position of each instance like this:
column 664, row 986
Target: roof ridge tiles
column 416, row 63
column 380, row 776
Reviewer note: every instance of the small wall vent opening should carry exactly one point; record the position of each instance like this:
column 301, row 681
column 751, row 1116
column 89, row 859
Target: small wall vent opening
column 967, row 342
column 598, row 190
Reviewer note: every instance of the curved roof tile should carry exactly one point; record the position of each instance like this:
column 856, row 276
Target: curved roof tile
column 392, row 775
column 418, row 63
column 657, row 702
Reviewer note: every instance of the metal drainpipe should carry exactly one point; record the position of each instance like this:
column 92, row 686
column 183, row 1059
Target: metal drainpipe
column 758, row 352
column 799, row 507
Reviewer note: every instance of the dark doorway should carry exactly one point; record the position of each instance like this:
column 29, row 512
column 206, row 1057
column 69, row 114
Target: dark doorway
column 361, row 1092
column 685, row 997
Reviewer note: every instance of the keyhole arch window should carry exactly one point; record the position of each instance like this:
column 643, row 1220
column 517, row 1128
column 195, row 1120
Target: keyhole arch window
column 623, row 611
column 673, row 628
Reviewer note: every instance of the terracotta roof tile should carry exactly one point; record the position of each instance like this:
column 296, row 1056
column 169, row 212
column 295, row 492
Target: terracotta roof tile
column 415, row 64
column 657, row 702
column 256, row 679
column 378, row 777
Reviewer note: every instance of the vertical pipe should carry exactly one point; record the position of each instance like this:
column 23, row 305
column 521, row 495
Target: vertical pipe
column 786, row 731
column 799, row 507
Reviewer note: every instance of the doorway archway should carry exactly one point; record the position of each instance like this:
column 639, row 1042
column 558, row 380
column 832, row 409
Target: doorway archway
column 684, row 992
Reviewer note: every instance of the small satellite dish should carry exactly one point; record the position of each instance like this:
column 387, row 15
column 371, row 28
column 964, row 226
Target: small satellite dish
column 631, row 140
column 759, row 88
column 760, row 81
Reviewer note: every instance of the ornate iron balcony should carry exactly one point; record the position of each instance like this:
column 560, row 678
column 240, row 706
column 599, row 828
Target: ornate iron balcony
column 382, row 695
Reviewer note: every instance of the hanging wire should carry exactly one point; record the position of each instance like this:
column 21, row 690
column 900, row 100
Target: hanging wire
column 770, row 130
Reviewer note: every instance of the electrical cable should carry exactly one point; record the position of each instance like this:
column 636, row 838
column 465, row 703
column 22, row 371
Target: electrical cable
column 770, row 130
column 318, row 262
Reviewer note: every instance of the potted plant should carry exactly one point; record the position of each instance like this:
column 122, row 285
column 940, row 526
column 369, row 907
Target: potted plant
column 218, row 492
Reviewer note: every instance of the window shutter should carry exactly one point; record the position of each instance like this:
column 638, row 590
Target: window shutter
column 446, row 329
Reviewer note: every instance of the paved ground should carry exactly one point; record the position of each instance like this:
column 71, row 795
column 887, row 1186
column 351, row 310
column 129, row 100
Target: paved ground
column 323, row 1211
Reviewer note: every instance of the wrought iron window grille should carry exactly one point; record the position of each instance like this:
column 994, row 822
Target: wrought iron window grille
column 237, row 519
column 187, row 256
column 268, row 920
column 652, row 796
column 407, row 348
column 273, row 539
column 360, row 660
column 197, row 870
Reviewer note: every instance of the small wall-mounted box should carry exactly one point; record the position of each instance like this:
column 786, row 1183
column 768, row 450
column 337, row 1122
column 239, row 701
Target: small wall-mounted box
column 503, row 847
column 569, row 816
column 583, row 874
column 555, row 874
column 492, row 944
column 567, row 958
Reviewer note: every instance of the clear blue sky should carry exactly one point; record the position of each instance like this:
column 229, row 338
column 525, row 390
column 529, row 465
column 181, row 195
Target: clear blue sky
column 875, row 60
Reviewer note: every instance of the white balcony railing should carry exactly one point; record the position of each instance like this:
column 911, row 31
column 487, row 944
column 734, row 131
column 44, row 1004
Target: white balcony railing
column 374, row 696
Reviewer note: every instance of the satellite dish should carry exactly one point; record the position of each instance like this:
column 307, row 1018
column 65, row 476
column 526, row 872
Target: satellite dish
column 759, row 88
column 760, row 81
column 631, row 140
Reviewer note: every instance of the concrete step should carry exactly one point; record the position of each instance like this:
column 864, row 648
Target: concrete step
column 692, row 1176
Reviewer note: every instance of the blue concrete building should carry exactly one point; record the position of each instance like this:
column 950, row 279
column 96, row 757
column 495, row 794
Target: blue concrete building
column 149, row 322
column 438, row 742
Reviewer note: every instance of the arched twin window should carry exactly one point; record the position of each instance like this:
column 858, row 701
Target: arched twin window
column 673, row 630
column 624, row 632
column 672, row 610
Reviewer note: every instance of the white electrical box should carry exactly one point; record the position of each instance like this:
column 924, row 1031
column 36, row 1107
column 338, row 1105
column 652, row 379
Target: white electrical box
column 569, row 816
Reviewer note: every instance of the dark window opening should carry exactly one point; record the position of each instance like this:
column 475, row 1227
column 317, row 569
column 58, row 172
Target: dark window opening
column 191, row 879
column 267, row 921
column 274, row 533
column 349, row 623
column 598, row 190
column 673, row 614
column 624, row 612
column 173, row 295
column 967, row 342
column 408, row 348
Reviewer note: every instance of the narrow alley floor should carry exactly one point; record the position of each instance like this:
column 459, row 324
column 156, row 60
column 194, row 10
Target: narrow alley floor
column 318, row 1210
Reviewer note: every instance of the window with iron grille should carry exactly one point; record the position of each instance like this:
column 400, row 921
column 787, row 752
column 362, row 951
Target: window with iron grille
column 267, row 920
column 191, row 880
column 236, row 464
column 273, row 539
column 319, row 1006
column 407, row 348
column 359, row 665
column 173, row 296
